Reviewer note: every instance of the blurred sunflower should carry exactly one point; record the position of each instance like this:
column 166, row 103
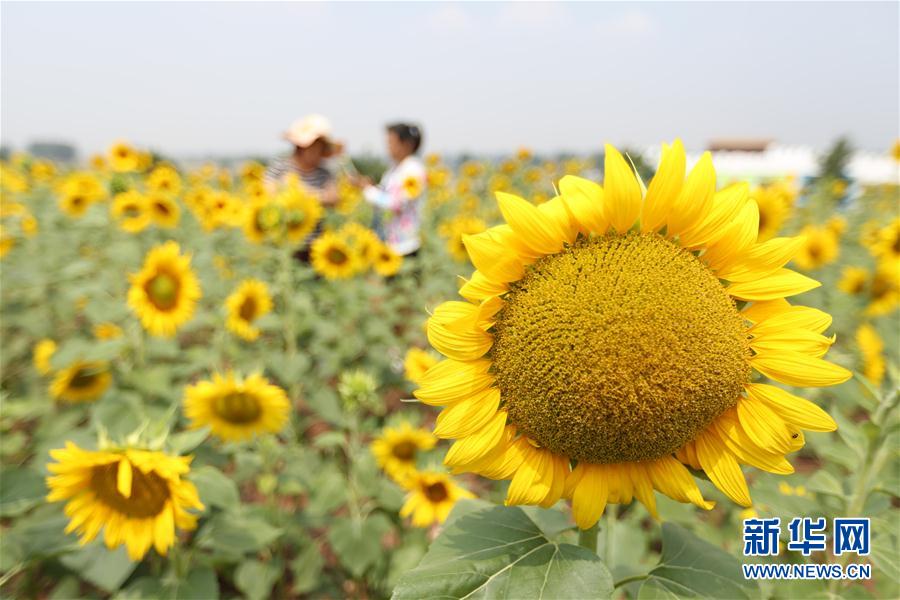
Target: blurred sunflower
column 412, row 186
column 164, row 179
column 302, row 212
column 774, row 205
column 416, row 363
column 332, row 257
column 130, row 209
column 362, row 241
column 895, row 151
column 138, row 497
column 884, row 291
column 236, row 408
column 82, row 381
column 397, row 449
column 589, row 336
column 165, row 291
column 107, row 331
column 457, row 229
column 820, row 247
column 853, row 280
column 163, row 209
column 886, row 246
column 871, row 347
column 263, row 220
column 431, row 497
column 123, row 157
column 386, row 262
column 248, row 302
column 43, row 352
column 78, row 191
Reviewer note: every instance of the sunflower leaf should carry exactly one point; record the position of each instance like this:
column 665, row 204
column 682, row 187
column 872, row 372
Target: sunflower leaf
column 693, row 568
column 499, row 552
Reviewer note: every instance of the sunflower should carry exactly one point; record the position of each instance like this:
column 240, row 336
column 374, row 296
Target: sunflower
column 412, row 186
column 416, row 363
column 263, row 220
column 248, row 302
column 884, row 291
column 130, row 209
column 164, row 179
column 871, row 347
column 82, row 381
column 138, row 497
column 386, row 262
column 820, row 247
column 598, row 331
column 397, row 448
column 236, row 408
column 774, row 202
column 163, row 209
column 363, row 242
column 165, row 291
column 124, row 158
column 107, row 331
column 853, row 280
column 895, row 150
column 43, row 352
column 332, row 257
column 886, row 245
column 302, row 212
column 431, row 497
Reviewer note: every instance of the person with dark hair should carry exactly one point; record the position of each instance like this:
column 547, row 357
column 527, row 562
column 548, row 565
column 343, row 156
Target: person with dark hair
column 401, row 190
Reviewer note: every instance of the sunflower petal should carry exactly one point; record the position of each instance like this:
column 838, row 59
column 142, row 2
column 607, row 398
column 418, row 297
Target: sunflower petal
column 779, row 284
column 695, row 200
column 722, row 468
column 791, row 318
column 762, row 259
column 493, row 258
column 622, row 192
column 124, row 478
column 535, row 230
column 792, row 409
column 794, row 368
column 725, row 208
column 585, row 200
column 479, row 444
column 674, row 480
column 465, row 418
column 664, row 188
column 590, row 494
column 452, row 381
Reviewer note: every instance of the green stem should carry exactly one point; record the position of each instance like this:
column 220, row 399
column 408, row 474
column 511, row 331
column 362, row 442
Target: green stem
column 627, row 580
column 612, row 513
column 587, row 538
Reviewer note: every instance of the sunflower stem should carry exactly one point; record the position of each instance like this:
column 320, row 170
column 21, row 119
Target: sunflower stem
column 612, row 513
column 587, row 538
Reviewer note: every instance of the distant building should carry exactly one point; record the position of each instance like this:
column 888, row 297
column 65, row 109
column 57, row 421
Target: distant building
column 739, row 144
column 55, row 151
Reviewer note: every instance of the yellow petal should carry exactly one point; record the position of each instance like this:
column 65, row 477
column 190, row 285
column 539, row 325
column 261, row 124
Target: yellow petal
column 674, row 480
column 643, row 487
column 479, row 287
column 479, row 444
column 763, row 426
column 584, row 199
column 493, row 258
column 792, row 317
column 762, row 259
column 732, row 434
column 725, row 209
column 558, row 211
column 451, row 381
column 762, row 310
column 736, row 238
column 540, row 234
column 455, row 342
column 530, row 484
column 123, row 478
column 794, row 368
column 468, row 416
column 779, row 284
column 792, row 409
column 622, row 194
column 695, row 200
column 792, row 340
column 590, row 494
column 721, row 467
column 664, row 188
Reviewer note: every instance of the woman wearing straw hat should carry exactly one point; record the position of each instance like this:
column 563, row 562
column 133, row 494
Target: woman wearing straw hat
column 311, row 137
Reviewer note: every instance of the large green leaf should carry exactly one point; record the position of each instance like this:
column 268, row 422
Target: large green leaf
column 693, row 568
column 20, row 489
column 499, row 552
column 215, row 488
column 107, row 569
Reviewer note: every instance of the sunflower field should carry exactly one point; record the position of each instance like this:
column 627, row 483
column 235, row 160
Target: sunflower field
column 588, row 381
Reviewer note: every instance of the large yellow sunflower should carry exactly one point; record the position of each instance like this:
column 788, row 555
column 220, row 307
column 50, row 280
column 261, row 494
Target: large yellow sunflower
column 165, row 291
column 397, row 449
column 618, row 331
column 247, row 303
column 332, row 257
column 432, row 495
column 138, row 497
column 82, row 381
column 236, row 408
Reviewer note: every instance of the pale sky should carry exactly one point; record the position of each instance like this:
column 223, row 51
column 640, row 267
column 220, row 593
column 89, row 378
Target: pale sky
column 227, row 78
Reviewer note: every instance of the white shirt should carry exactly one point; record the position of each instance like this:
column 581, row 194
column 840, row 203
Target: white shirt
column 399, row 195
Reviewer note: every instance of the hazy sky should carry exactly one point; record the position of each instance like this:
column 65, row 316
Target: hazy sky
column 227, row 78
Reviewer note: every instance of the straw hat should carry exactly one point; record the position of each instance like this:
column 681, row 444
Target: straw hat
column 305, row 131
